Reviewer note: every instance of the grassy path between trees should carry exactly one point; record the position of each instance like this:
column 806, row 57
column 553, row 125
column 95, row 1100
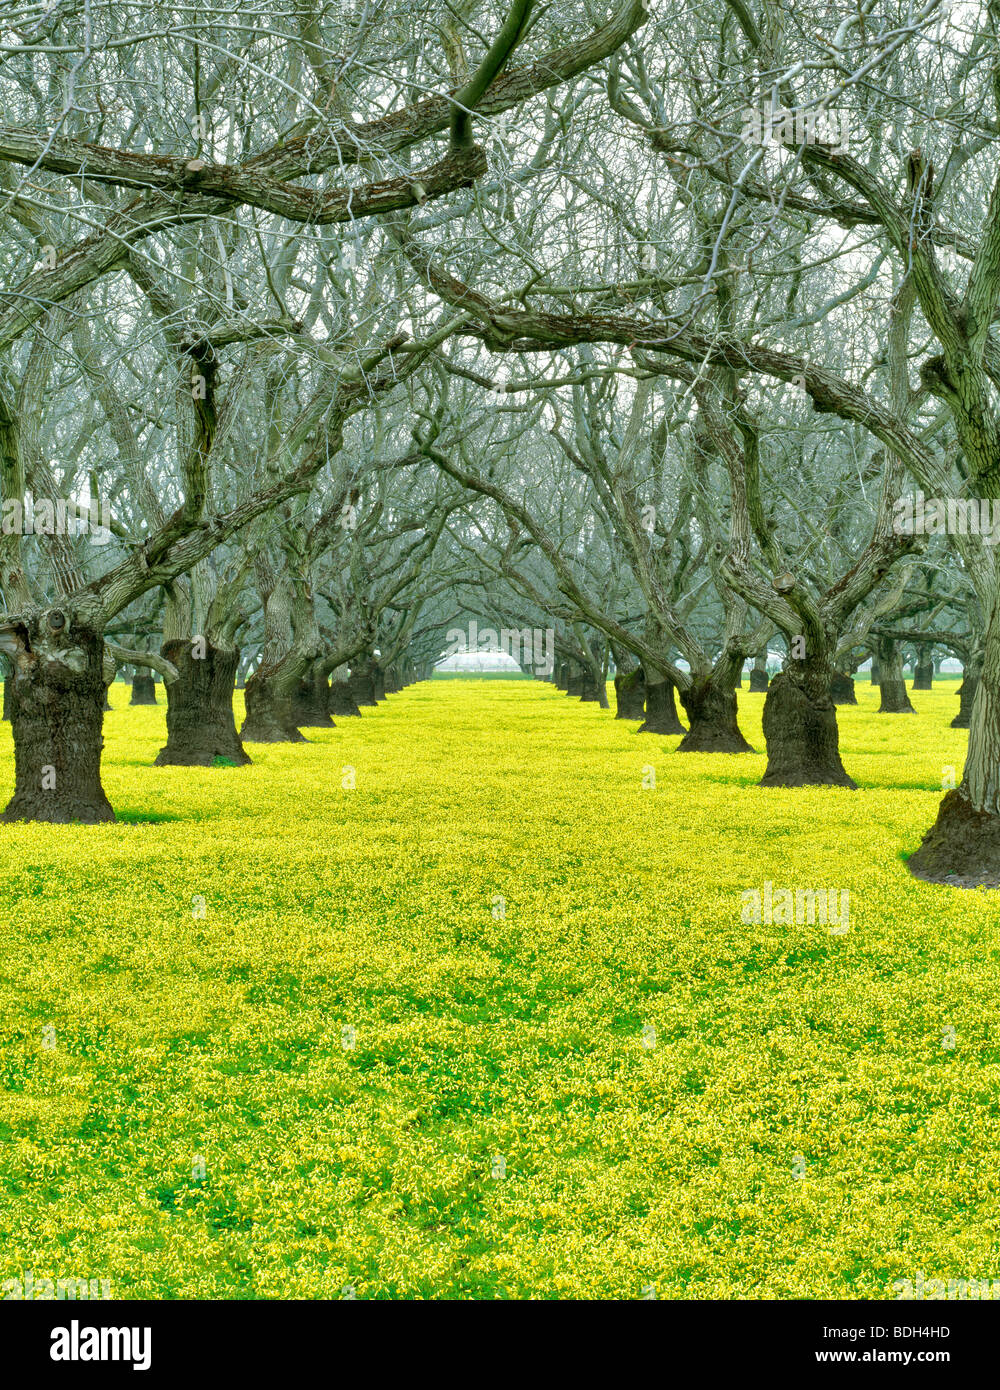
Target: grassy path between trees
column 489, row 1023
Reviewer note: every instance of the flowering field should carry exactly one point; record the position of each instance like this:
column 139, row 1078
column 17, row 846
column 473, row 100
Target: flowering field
column 488, row 1023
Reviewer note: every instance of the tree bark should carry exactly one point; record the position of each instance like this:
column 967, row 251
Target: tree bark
column 758, row 674
column 711, row 710
column 594, row 690
column 270, row 717
column 311, row 702
column 630, row 694
column 143, row 689
column 966, row 696
column 342, row 703
column 661, row 710
column 842, row 690
column 892, row 686
column 362, row 683
column 201, row 728
column 57, row 713
column 963, row 845
column 800, row 729
column 923, row 671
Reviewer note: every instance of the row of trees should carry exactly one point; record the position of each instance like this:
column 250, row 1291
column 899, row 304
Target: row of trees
column 354, row 323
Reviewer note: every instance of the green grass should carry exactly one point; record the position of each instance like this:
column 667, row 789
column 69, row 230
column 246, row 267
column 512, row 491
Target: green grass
column 318, row 991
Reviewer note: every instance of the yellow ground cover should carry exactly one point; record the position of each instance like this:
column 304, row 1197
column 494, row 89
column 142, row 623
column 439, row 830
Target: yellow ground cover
column 489, row 1024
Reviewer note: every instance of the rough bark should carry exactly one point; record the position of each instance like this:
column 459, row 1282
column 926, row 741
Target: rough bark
column 341, row 702
column 661, row 710
column 201, row 728
column 143, row 689
column 630, row 694
column 963, row 845
column 711, row 712
column 758, row 674
column 800, row 730
column 311, row 701
column 594, row 690
column 574, row 685
column 842, row 690
column 966, row 697
column 892, row 685
column 923, row 672
column 270, row 717
column 362, row 684
column 57, row 713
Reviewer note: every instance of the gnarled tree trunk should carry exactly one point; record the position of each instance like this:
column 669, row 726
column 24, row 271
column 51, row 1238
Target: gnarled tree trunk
column 630, row 694
column 966, row 696
column 758, row 674
column 311, row 701
column 923, row 671
column 341, row 702
column 661, row 710
column 362, row 683
column 270, row 717
column 57, row 713
column 201, row 728
column 710, row 706
column 963, row 845
column 892, row 686
column 593, row 689
column 800, row 729
column 143, row 689
column 842, row 690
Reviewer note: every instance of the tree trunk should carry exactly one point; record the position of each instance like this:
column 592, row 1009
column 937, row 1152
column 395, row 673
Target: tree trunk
column 201, row 728
column 311, row 702
column 270, row 717
column 378, row 682
column 710, row 706
column 966, row 696
column 594, row 690
column 362, row 683
column 923, row 671
column 575, row 684
column 342, row 703
column 800, row 729
column 661, row 710
column 758, row 674
column 143, row 689
column 963, row 845
column 562, row 679
column 630, row 694
column 8, row 691
column 57, row 713
column 892, row 686
column 842, row 690
column 874, row 673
